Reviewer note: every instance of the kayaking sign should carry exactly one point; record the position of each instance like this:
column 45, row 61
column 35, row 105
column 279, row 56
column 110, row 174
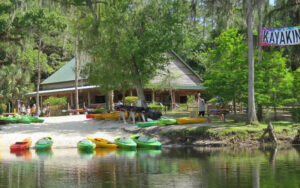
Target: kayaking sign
column 280, row 36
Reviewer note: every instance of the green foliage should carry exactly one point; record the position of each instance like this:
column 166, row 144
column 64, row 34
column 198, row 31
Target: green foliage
column 157, row 107
column 134, row 37
column 227, row 69
column 131, row 100
column 296, row 87
column 15, row 82
column 295, row 114
column 191, row 99
column 53, row 101
column 3, row 108
column 99, row 110
column 273, row 81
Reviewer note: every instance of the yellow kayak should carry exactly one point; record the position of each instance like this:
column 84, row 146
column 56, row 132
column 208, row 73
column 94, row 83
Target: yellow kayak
column 112, row 116
column 191, row 120
column 102, row 143
column 99, row 116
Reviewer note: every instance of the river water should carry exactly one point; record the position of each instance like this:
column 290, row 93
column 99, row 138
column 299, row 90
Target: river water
column 170, row 167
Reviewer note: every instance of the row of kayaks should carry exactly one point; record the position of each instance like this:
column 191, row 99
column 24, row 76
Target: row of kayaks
column 160, row 122
column 171, row 121
column 42, row 144
column 20, row 119
column 120, row 142
column 91, row 143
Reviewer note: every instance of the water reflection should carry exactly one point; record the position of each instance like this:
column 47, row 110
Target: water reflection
column 25, row 154
column 183, row 167
column 44, row 154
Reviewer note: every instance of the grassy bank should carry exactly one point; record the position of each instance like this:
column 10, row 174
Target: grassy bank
column 226, row 133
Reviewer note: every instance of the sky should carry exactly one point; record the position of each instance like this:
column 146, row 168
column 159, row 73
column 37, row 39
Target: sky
column 272, row 2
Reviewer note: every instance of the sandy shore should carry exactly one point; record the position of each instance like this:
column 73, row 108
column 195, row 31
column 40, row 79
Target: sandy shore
column 65, row 130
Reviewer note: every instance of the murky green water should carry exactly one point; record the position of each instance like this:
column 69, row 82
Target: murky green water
column 188, row 167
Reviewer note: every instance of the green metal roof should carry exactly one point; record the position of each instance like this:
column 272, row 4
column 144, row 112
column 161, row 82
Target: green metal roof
column 64, row 74
column 199, row 87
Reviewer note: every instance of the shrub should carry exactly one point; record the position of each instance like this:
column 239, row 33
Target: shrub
column 99, row 110
column 55, row 101
column 3, row 108
column 295, row 114
column 157, row 107
column 131, row 100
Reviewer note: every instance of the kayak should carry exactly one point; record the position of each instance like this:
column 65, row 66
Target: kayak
column 149, row 123
column 168, row 121
column 102, row 143
column 90, row 116
column 146, row 142
column 86, row 144
column 99, row 116
column 23, row 119
column 11, row 119
column 112, row 116
column 44, row 143
column 125, row 143
column 35, row 119
column 24, row 144
column 190, row 120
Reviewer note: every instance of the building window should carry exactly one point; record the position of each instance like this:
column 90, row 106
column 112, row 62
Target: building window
column 100, row 99
column 183, row 99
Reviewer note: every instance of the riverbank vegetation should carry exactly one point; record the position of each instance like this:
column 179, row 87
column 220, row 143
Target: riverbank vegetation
column 121, row 44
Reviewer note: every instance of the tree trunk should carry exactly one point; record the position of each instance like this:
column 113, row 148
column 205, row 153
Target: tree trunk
column 77, row 59
column 234, row 109
column 259, row 2
column 39, row 78
column 153, row 96
column 252, row 119
column 139, row 84
column 140, row 92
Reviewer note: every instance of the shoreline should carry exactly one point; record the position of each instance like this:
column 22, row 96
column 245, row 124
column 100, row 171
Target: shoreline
column 68, row 130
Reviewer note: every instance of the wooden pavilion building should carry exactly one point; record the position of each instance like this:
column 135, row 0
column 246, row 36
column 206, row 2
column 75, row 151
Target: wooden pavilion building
column 184, row 82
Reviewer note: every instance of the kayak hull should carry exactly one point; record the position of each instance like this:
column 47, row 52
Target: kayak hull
column 23, row 145
column 102, row 143
column 49, row 142
column 149, row 123
column 168, row 121
column 86, row 145
column 155, row 145
column 191, row 120
column 128, row 144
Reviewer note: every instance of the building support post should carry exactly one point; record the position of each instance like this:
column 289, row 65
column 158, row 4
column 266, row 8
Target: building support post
column 89, row 99
column 72, row 100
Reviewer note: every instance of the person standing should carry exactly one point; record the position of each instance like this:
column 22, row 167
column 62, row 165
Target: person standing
column 28, row 110
column 48, row 109
column 23, row 109
column 33, row 110
column 201, row 105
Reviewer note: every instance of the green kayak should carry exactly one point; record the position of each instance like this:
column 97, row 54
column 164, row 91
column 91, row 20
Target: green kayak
column 23, row 120
column 44, row 143
column 35, row 119
column 168, row 121
column 149, row 123
column 146, row 142
column 11, row 119
column 125, row 143
column 86, row 144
